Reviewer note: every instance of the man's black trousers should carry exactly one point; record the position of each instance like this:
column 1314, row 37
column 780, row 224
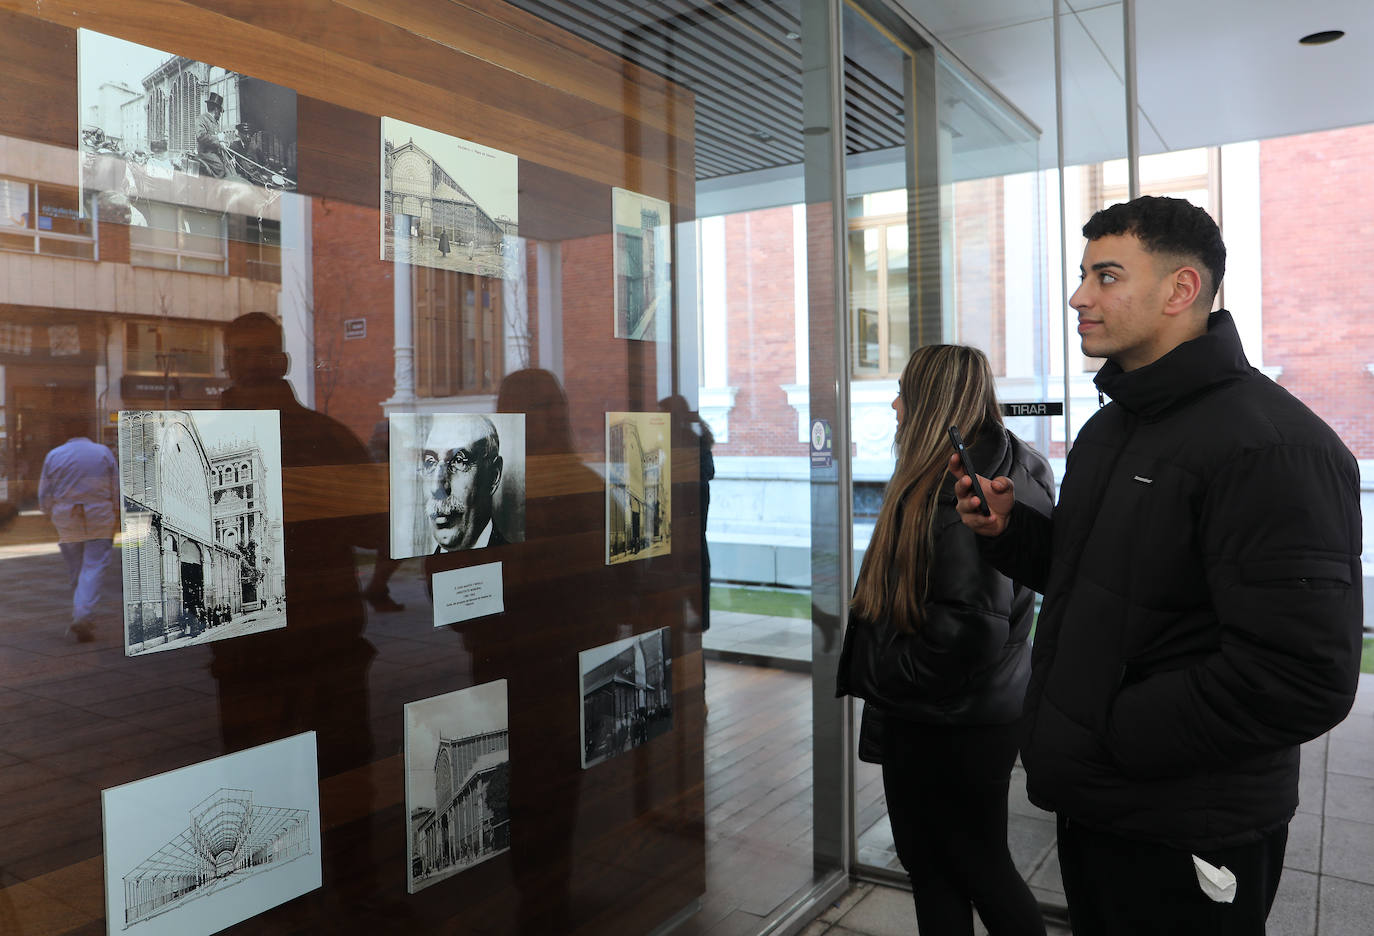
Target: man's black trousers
column 1122, row 887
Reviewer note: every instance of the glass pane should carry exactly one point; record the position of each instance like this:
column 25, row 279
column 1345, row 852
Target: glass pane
column 165, row 238
column 153, row 258
column 14, row 204
column 24, row 243
column 202, row 222
column 898, row 299
column 975, row 209
column 865, row 260
column 59, row 211
column 200, row 265
column 324, row 380
column 64, row 248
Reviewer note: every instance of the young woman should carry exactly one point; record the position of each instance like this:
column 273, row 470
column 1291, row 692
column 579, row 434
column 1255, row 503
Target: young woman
column 937, row 649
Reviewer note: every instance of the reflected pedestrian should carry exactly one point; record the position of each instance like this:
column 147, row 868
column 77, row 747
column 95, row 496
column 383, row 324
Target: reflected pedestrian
column 79, row 491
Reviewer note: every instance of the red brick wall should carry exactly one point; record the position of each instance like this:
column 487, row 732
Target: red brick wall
column 601, row 374
column 1317, row 242
column 761, row 326
column 353, row 377
column 979, row 225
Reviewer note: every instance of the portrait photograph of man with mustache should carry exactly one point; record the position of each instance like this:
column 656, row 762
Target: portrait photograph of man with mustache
column 457, row 482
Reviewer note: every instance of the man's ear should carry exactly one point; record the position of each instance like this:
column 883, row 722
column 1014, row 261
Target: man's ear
column 1185, row 287
column 496, row 464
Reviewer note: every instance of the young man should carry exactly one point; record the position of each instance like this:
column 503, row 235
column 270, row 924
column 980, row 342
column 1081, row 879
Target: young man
column 1203, row 603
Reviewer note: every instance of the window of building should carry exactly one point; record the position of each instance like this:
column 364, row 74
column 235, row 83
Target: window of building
column 880, row 309
column 457, row 333
column 255, row 248
column 167, row 349
column 45, row 219
column 180, row 238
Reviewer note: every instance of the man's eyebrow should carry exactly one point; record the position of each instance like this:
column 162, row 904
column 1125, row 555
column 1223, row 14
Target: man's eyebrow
column 1104, row 264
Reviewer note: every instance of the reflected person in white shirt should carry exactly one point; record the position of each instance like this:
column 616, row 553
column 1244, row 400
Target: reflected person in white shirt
column 79, row 491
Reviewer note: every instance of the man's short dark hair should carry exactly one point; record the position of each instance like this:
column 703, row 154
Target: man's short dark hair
column 1168, row 226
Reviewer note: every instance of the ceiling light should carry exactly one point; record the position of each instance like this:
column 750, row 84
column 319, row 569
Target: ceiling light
column 1323, row 37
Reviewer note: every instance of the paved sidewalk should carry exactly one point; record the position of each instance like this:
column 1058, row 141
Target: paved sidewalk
column 736, row 636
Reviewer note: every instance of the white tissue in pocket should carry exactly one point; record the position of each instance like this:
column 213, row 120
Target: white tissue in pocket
column 1217, row 883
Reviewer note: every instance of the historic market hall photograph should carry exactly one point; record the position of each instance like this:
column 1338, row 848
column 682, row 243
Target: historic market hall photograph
column 457, row 756
column 627, row 694
column 201, row 512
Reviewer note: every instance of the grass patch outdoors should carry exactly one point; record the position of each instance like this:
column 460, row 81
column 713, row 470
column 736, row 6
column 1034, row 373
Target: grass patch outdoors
column 774, row 602
column 1367, row 660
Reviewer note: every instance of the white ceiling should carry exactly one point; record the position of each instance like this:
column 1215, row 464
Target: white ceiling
column 1208, row 72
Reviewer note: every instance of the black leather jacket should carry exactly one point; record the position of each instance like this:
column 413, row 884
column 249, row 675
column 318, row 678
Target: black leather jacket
column 969, row 662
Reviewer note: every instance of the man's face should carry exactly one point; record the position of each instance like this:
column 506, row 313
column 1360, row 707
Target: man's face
column 1121, row 301
column 461, row 470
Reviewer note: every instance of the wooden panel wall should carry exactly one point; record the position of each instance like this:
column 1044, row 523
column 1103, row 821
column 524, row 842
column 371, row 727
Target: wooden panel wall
column 617, row 848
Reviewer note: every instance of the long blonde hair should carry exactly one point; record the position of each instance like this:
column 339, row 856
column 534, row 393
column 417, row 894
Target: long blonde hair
column 941, row 386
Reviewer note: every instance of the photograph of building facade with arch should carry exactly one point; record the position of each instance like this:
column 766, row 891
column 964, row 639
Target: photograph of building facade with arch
column 447, row 203
column 627, row 694
column 194, row 850
column 457, row 754
column 201, row 512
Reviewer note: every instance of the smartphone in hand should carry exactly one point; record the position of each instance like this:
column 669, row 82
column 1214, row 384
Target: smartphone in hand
column 962, row 451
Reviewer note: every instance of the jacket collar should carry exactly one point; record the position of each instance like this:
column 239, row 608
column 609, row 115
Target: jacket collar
column 1193, row 367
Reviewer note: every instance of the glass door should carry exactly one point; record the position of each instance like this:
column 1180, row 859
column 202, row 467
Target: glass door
column 944, row 244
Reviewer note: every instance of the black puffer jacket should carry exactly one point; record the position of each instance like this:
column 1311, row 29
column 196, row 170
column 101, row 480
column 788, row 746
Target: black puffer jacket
column 1202, row 612
column 969, row 662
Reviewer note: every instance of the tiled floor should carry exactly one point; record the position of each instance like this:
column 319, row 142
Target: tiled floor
column 1328, row 882
column 872, row 910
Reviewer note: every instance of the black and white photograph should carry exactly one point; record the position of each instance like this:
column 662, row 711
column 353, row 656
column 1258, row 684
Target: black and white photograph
column 162, row 135
column 457, row 482
column 195, row 850
column 627, row 694
column 201, row 515
column 457, row 755
column 447, row 203
column 643, row 266
column 638, row 486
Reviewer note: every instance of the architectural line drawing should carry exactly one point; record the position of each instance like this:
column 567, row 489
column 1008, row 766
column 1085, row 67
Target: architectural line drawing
column 228, row 839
